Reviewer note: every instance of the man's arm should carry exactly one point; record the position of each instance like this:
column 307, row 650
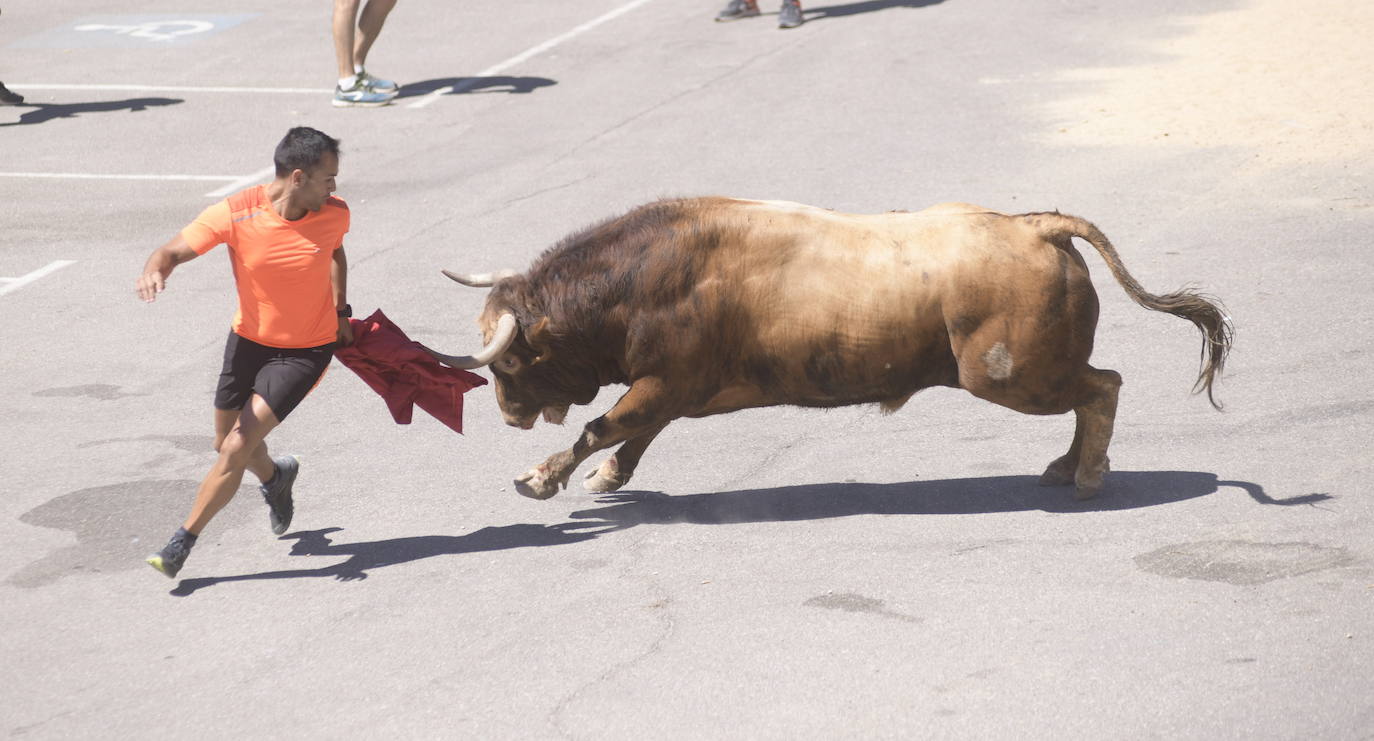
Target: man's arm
column 160, row 265
column 338, row 276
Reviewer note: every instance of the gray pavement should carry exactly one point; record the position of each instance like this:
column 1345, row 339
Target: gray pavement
column 779, row 573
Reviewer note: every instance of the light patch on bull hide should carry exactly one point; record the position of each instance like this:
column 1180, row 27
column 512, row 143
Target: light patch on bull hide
column 998, row 361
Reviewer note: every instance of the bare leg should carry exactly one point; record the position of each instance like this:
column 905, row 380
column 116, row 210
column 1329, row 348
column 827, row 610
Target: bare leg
column 641, row 410
column 236, row 451
column 345, row 16
column 369, row 27
column 260, row 463
column 615, row 472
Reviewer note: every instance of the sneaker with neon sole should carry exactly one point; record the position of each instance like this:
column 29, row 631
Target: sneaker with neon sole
column 361, row 96
column 170, row 559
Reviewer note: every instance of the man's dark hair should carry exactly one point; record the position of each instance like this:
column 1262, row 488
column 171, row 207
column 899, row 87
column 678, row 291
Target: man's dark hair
column 302, row 149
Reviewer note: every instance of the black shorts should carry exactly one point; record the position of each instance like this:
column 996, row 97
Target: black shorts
column 281, row 376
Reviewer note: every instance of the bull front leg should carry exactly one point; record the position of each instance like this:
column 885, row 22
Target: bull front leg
column 615, row 471
column 642, row 410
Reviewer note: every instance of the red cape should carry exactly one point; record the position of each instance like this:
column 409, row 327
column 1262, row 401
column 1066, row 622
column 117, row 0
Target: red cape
column 400, row 369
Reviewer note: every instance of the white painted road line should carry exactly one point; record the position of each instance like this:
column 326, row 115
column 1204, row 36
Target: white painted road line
column 242, row 182
column 175, row 89
column 527, row 54
column 108, row 176
column 14, row 284
column 234, row 182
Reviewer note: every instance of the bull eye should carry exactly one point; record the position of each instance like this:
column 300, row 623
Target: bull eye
column 508, row 363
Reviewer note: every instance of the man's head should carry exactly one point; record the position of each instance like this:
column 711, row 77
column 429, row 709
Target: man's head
column 309, row 160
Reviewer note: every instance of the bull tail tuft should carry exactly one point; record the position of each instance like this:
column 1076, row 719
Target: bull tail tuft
column 1205, row 312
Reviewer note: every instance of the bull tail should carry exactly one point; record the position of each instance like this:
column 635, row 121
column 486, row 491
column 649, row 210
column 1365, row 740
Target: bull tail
column 1205, row 312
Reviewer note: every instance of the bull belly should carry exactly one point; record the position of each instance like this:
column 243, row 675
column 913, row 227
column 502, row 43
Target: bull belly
column 891, row 390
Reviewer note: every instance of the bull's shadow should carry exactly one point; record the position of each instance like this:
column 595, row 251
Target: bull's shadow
column 1123, row 490
column 623, row 510
column 467, row 85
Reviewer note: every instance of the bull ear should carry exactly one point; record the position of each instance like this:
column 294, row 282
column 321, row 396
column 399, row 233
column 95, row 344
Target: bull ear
column 539, row 337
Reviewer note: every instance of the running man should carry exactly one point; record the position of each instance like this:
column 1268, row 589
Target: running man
column 286, row 246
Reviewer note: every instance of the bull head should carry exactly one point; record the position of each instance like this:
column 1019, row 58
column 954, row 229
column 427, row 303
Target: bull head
column 498, row 352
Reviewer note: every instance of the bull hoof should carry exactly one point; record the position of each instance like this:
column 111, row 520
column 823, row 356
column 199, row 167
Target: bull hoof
column 605, row 478
column 1058, row 473
column 536, row 484
column 1089, row 484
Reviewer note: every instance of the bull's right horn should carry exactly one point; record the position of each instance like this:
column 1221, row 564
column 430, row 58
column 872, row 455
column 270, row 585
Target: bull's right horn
column 479, row 280
column 505, row 334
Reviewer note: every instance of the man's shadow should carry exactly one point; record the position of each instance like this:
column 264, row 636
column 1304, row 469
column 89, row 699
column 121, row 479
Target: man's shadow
column 362, row 557
column 868, row 6
column 466, row 85
column 624, row 510
column 48, row 111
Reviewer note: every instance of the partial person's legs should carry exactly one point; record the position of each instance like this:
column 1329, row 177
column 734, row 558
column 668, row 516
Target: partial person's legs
column 239, row 440
column 353, row 38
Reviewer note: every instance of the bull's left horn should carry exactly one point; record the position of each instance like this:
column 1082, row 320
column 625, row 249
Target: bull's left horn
column 505, row 334
column 479, row 280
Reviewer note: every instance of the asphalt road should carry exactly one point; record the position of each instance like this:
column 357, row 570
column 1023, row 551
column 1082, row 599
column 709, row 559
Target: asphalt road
column 771, row 574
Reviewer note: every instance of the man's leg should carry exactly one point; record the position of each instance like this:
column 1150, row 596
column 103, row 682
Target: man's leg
column 345, row 17
column 260, row 463
column 369, row 27
column 239, row 442
column 241, row 447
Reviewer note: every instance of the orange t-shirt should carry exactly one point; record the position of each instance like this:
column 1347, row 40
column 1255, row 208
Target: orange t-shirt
column 286, row 298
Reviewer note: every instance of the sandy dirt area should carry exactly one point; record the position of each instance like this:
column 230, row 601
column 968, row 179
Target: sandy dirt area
column 1290, row 81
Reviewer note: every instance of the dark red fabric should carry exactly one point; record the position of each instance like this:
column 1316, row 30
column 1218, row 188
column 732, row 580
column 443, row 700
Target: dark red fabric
column 399, row 369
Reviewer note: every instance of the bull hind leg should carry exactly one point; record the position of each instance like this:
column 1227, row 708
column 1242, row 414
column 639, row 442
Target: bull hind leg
column 1086, row 463
column 616, row 471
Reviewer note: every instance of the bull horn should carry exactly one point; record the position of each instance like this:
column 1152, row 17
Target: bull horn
column 479, row 280
column 505, row 334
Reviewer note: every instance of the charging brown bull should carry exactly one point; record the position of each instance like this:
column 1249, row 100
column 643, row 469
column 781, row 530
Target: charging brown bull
column 709, row 305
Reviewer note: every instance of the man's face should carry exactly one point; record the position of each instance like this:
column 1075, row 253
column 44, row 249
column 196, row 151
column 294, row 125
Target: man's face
column 318, row 183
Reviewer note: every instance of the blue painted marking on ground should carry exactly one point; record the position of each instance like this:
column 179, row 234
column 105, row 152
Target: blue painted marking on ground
column 148, row 31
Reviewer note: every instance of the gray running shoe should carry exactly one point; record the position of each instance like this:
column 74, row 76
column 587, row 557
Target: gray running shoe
column 738, row 9
column 360, row 96
column 377, row 84
column 278, row 493
column 8, row 97
column 790, row 16
column 170, row 559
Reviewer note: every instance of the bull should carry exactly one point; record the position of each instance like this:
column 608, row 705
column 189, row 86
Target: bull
column 710, row 305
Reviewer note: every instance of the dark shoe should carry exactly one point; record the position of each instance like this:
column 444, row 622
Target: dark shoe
column 790, row 16
column 9, row 98
column 277, row 492
column 738, row 9
column 170, row 559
